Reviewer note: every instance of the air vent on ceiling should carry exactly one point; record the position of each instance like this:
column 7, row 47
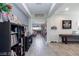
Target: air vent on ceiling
column 38, row 3
column 39, row 15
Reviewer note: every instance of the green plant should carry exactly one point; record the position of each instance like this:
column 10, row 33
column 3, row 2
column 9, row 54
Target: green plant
column 5, row 7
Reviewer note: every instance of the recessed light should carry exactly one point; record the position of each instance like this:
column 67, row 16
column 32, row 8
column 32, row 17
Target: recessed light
column 66, row 9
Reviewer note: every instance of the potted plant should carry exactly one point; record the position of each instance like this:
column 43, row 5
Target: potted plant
column 4, row 10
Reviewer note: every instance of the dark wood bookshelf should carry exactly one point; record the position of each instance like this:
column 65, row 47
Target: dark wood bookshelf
column 5, row 37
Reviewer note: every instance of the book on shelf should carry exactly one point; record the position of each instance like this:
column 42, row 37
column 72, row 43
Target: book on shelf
column 22, row 41
column 21, row 50
column 13, row 40
column 16, row 29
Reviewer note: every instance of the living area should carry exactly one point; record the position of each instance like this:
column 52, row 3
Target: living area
column 64, row 23
column 39, row 29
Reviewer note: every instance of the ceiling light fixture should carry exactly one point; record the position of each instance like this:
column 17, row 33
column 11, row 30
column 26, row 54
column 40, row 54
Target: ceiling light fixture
column 66, row 9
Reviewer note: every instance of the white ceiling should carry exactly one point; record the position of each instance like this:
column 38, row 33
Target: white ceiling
column 19, row 5
column 39, row 9
column 46, row 9
column 73, row 7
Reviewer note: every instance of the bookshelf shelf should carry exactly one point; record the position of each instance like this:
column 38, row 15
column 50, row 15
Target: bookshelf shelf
column 13, row 33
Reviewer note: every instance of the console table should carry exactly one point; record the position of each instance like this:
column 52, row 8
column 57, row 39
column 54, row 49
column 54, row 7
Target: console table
column 66, row 36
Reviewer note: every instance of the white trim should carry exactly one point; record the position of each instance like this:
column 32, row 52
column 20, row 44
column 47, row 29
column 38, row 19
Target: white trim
column 26, row 8
column 51, row 8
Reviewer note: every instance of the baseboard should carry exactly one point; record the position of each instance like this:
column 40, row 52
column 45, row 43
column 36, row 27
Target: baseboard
column 53, row 41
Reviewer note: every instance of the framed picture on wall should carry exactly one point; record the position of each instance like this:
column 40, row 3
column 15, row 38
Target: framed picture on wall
column 66, row 24
column 53, row 27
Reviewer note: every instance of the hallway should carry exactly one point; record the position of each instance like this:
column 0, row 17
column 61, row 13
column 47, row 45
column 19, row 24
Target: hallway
column 39, row 48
